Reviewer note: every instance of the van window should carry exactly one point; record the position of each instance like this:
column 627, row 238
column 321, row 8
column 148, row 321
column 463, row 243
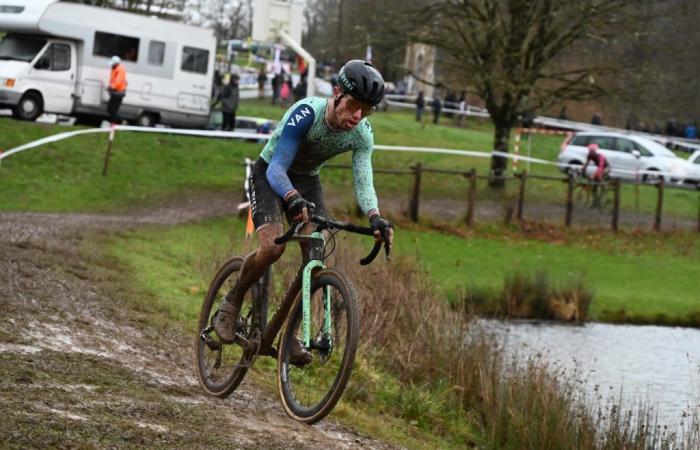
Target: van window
column 194, row 60
column 624, row 145
column 56, row 58
column 156, row 53
column 642, row 150
column 581, row 140
column 108, row 45
column 20, row 48
column 604, row 142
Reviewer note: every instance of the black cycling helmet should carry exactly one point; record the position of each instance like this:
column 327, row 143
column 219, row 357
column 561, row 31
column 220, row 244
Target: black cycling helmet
column 362, row 80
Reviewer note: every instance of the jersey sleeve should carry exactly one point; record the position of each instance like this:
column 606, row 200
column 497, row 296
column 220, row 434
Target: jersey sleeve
column 362, row 174
column 297, row 125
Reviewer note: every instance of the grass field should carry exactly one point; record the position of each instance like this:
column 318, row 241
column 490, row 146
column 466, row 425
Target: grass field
column 145, row 167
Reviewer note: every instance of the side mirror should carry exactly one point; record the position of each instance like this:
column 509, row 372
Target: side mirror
column 636, row 154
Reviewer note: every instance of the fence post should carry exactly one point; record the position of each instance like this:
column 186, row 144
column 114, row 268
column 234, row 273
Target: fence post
column 471, row 196
column 570, row 199
column 109, row 150
column 698, row 213
column 521, row 195
column 616, row 206
column 659, row 204
column 415, row 195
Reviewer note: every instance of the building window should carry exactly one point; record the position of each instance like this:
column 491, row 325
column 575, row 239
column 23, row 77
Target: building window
column 194, row 60
column 108, row 45
column 156, row 53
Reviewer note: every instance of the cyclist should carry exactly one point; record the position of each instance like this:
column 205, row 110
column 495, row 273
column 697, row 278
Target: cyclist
column 597, row 158
column 286, row 176
column 601, row 172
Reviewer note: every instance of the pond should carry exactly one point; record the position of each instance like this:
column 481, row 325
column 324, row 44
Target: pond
column 656, row 365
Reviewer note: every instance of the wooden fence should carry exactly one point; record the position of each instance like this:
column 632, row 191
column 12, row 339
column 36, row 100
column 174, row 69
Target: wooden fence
column 571, row 181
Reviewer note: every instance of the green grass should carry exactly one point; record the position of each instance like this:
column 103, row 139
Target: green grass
column 66, row 175
column 645, row 275
column 173, row 268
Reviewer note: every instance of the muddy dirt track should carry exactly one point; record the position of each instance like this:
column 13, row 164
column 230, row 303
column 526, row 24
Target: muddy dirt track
column 81, row 366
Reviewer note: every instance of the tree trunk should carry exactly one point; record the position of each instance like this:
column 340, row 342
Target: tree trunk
column 499, row 164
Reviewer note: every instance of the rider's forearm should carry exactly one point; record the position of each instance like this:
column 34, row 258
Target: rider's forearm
column 364, row 182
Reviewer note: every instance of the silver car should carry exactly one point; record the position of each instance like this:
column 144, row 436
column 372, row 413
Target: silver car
column 630, row 157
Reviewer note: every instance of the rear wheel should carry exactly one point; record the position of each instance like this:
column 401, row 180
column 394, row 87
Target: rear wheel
column 310, row 391
column 29, row 107
column 582, row 196
column 146, row 120
column 221, row 367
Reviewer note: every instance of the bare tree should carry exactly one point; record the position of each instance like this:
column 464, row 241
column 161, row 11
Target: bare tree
column 514, row 53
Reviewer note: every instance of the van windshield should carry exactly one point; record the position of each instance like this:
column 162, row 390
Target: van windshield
column 20, row 48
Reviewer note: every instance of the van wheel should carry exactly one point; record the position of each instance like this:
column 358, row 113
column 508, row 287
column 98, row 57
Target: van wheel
column 146, row 120
column 570, row 169
column 29, row 107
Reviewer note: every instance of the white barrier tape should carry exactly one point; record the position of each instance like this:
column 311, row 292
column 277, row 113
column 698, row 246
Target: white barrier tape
column 111, row 130
column 49, row 139
column 237, row 134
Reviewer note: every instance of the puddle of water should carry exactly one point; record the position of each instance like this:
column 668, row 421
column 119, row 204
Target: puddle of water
column 656, row 365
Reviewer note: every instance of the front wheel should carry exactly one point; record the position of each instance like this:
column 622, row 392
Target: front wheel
column 310, row 391
column 221, row 367
column 29, row 107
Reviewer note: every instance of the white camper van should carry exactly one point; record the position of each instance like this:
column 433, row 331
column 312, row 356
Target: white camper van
column 55, row 58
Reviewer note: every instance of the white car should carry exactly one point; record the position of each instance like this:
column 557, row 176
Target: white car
column 630, row 157
column 694, row 160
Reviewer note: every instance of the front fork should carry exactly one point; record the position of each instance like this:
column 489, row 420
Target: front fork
column 316, row 256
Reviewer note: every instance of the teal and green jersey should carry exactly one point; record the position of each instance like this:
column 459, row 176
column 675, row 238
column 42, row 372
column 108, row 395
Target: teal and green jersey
column 303, row 142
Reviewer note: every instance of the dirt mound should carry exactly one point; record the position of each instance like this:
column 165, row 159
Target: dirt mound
column 82, row 366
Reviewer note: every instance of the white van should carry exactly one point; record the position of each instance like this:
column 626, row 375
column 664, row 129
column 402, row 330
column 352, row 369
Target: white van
column 55, row 58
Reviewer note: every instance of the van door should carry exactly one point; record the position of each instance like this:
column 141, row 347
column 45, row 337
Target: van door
column 53, row 72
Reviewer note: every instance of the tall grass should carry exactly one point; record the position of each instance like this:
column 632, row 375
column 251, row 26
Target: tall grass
column 449, row 370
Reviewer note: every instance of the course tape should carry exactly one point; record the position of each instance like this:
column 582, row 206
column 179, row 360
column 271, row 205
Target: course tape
column 256, row 136
column 70, row 134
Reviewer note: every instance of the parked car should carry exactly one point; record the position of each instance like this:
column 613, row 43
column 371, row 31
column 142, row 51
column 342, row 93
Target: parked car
column 629, row 156
column 694, row 160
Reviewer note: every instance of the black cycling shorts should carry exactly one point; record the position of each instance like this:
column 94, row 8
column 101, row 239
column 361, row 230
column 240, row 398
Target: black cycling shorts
column 267, row 206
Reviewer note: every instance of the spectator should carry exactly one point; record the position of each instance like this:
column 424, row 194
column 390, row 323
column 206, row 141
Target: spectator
column 450, row 102
column 217, row 85
column 437, row 107
column 300, row 89
column 262, row 78
column 420, row 106
column 671, row 127
column 286, row 90
column 117, row 88
column 277, row 81
column 462, row 109
column 563, row 113
column 229, row 103
column 597, row 119
column 691, row 131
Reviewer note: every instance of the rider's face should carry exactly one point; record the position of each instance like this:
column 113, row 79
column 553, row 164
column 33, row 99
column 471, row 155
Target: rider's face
column 350, row 111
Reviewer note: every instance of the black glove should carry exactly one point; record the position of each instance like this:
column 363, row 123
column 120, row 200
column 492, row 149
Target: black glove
column 296, row 204
column 383, row 228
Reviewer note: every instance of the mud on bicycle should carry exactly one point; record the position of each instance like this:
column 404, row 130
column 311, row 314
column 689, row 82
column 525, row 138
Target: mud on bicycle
column 320, row 309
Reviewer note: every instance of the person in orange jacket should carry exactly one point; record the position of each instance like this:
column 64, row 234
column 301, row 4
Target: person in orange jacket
column 117, row 88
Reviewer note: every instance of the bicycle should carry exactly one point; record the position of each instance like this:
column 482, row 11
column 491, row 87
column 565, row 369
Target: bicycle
column 594, row 195
column 320, row 307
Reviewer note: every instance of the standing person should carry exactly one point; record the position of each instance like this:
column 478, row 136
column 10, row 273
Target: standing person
column 300, row 89
column 229, row 103
column 117, row 88
column 437, row 107
column 277, row 81
column 262, row 78
column 420, row 106
column 285, row 179
column 462, row 109
column 597, row 119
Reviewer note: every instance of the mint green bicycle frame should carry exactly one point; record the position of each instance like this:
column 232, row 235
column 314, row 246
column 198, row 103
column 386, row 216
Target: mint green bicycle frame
column 306, row 296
